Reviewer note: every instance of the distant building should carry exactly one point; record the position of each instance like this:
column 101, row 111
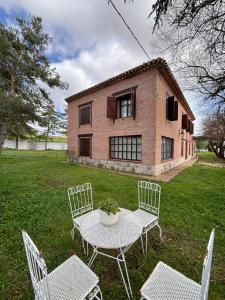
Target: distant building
column 138, row 121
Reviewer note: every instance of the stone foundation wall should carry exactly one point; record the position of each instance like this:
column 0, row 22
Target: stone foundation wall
column 151, row 170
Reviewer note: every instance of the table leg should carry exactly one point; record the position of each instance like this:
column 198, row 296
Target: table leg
column 93, row 257
column 124, row 282
column 123, row 260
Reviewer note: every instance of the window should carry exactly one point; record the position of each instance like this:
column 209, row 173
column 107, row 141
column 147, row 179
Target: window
column 85, row 145
column 125, row 106
column 122, row 104
column 166, row 148
column 126, row 147
column 182, row 147
column 85, row 114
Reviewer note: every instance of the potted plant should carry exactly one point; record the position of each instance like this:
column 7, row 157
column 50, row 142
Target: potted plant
column 109, row 212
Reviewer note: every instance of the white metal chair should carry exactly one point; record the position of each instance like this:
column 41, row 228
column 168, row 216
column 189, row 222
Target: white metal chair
column 166, row 283
column 149, row 206
column 71, row 280
column 81, row 203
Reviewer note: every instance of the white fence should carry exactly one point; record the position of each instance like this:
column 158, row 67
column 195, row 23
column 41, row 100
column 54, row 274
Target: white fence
column 34, row 145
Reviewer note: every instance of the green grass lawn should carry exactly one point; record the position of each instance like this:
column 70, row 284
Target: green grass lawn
column 210, row 157
column 33, row 197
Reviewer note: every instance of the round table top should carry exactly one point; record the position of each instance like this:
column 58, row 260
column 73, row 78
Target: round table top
column 125, row 232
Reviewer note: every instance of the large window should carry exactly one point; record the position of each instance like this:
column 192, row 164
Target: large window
column 126, row 147
column 85, row 114
column 166, row 148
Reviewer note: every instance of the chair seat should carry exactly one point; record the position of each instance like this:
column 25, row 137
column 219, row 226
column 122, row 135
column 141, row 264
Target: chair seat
column 145, row 218
column 71, row 280
column 166, row 283
column 79, row 219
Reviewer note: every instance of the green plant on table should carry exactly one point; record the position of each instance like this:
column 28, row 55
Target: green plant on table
column 109, row 206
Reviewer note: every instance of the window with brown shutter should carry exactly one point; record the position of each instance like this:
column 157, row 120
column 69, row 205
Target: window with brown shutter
column 184, row 121
column 85, row 145
column 175, row 111
column 122, row 104
column 191, row 128
column 171, row 108
column 188, row 125
column 85, row 114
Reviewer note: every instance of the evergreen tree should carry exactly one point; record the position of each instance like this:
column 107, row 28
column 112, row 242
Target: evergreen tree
column 23, row 67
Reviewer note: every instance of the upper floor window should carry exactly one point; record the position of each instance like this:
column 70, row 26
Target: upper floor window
column 125, row 106
column 122, row 104
column 85, row 114
column 171, row 108
column 166, row 148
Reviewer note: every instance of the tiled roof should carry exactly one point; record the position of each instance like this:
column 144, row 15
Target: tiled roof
column 158, row 63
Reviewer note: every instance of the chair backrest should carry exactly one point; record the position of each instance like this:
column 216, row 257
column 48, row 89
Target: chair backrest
column 80, row 198
column 149, row 196
column 207, row 268
column 38, row 269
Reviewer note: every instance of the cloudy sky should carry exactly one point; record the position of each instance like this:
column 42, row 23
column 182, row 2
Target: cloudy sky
column 90, row 42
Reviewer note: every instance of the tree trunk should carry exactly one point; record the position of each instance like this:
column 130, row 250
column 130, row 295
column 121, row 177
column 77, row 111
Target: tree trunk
column 221, row 151
column 17, row 142
column 46, row 142
column 3, row 133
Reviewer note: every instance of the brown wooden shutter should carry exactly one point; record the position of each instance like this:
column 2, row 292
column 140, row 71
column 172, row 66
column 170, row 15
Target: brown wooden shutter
column 170, row 108
column 111, row 108
column 133, row 103
column 184, row 121
column 175, row 111
column 188, row 125
column 191, row 128
column 85, row 146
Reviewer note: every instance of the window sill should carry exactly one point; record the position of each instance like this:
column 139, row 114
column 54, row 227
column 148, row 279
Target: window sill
column 125, row 160
column 80, row 125
column 166, row 160
column 124, row 118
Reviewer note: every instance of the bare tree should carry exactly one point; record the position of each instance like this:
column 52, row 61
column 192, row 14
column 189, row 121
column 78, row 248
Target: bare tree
column 192, row 36
column 214, row 131
column 195, row 40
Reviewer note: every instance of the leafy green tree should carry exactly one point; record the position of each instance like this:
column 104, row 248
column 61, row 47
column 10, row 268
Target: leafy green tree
column 24, row 70
column 53, row 121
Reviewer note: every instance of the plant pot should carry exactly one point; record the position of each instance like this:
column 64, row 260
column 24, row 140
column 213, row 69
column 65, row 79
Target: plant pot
column 108, row 220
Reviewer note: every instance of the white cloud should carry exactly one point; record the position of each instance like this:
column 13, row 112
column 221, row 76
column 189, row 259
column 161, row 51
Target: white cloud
column 89, row 39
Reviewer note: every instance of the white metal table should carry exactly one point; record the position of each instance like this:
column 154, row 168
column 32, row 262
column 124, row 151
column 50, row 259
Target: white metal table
column 120, row 236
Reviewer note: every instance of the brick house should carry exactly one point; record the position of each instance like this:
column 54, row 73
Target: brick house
column 138, row 121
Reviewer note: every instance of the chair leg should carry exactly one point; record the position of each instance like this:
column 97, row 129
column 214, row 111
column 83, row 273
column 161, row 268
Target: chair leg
column 87, row 249
column 146, row 243
column 142, row 245
column 83, row 244
column 160, row 232
column 72, row 233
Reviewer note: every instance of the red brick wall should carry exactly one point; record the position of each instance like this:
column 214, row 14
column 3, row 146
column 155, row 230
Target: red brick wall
column 165, row 127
